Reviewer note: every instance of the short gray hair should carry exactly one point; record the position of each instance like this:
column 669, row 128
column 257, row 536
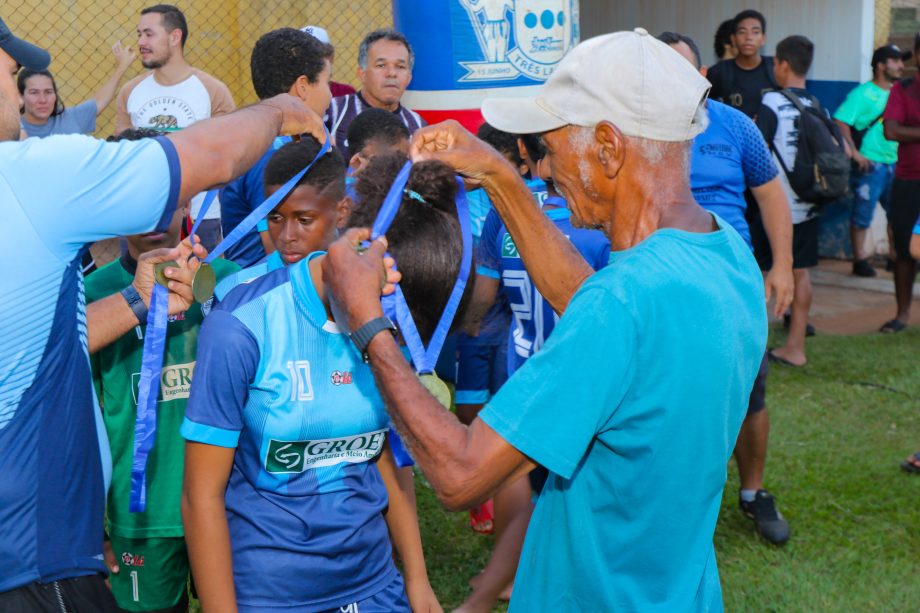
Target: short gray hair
column 383, row 34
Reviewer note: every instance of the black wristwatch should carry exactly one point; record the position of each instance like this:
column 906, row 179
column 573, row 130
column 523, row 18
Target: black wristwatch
column 362, row 336
column 136, row 303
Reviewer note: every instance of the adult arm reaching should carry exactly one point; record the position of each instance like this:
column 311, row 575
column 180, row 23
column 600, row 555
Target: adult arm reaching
column 555, row 266
column 464, row 464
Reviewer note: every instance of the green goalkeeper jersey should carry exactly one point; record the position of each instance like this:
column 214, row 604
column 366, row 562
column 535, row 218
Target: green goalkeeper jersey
column 116, row 373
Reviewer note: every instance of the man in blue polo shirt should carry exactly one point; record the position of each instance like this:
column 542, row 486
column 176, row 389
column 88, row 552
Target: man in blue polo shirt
column 54, row 458
column 635, row 402
column 729, row 157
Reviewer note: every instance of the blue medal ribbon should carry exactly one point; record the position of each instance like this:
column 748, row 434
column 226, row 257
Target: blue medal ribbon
column 145, row 425
column 395, row 306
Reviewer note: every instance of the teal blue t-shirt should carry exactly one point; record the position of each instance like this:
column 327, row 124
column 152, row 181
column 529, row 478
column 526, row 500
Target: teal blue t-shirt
column 634, row 405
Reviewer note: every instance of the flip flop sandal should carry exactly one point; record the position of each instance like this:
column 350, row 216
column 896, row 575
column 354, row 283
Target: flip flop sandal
column 912, row 464
column 892, row 326
column 775, row 358
column 482, row 518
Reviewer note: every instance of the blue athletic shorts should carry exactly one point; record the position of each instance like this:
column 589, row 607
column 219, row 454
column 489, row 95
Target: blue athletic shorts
column 391, row 599
column 481, row 369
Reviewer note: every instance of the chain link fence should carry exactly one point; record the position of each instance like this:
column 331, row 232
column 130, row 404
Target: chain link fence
column 80, row 34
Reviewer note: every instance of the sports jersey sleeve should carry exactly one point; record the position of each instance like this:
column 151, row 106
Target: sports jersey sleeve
column 917, row 225
column 228, row 357
column 756, row 161
column 98, row 189
column 849, row 112
column 525, row 412
column 488, row 259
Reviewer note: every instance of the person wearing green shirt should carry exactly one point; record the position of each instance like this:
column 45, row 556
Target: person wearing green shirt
column 874, row 156
column 146, row 553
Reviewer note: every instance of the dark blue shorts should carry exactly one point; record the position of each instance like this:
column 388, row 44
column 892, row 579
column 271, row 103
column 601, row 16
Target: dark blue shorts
column 391, row 599
column 481, row 369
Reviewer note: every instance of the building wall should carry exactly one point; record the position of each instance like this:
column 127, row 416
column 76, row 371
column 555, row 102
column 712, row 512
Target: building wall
column 842, row 30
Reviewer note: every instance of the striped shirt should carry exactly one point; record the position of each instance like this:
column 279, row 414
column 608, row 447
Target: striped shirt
column 344, row 109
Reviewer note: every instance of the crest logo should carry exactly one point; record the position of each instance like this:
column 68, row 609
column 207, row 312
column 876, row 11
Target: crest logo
column 520, row 37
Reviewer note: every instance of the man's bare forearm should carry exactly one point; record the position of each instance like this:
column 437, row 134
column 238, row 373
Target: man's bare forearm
column 463, row 464
column 552, row 262
column 107, row 320
column 777, row 220
column 901, row 133
column 214, row 151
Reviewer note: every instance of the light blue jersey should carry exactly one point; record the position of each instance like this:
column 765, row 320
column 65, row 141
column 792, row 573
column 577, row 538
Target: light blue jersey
column 634, row 405
column 269, row 263
column 57, row 195
column 280, row 383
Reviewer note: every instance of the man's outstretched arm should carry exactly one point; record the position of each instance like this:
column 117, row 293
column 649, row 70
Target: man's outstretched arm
column 214, row 151
column 553, row 263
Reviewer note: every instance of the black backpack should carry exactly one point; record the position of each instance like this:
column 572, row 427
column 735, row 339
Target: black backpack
column 821, row 172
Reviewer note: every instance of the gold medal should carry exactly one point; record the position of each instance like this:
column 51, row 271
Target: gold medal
column 436, row 388
column 202, row 283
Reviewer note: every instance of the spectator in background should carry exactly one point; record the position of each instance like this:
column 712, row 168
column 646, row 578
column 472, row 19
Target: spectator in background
column 723, row 46
column 285, row 60
column 860, row 122
column 385, row 60
column 741, row 82
column 729, row 157
column 43, row 111
column 901, row 121
column 173, row 95
column 320, row 34
column 778, row 121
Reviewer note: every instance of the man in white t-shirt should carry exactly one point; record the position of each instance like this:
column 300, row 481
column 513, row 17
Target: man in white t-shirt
column 173, row 95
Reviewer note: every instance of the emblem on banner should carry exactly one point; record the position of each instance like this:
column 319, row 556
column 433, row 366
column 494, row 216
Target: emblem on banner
column 520, row 37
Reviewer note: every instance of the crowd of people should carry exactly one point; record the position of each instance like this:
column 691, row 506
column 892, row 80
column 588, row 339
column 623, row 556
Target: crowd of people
column 606, row 252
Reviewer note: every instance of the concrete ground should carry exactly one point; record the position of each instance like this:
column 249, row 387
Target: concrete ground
column 845, row 304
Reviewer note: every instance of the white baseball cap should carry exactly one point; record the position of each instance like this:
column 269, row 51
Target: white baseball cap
column 630, row 79
column 318, row 33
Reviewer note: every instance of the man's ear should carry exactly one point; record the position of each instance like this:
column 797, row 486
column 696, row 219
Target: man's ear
column 704, row 70
column 522, row 150
column 611, row 148
column 175, row 38
column 300, row 87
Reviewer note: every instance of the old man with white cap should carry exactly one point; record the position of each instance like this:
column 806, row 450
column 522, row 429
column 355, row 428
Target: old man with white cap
column 635, row 401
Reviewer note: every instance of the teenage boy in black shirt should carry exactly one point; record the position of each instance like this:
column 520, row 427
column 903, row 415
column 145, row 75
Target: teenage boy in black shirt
column 742, row 81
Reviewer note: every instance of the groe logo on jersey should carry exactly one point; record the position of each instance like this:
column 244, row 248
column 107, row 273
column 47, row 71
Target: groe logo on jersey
column 341, row 378
column 130, row 559
column 542, row 32
column 509, row 249
column 175, row 382
column 285, row 457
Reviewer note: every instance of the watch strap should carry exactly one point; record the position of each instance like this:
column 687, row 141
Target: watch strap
column 136, row 303
column 363, row 336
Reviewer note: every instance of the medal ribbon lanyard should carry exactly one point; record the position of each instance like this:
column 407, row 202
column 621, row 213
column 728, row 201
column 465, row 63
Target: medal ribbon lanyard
column 145, row 425
column 394, row 305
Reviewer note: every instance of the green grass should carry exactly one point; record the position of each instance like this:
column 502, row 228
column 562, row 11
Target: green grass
column 833, row 461
column 835, row 445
